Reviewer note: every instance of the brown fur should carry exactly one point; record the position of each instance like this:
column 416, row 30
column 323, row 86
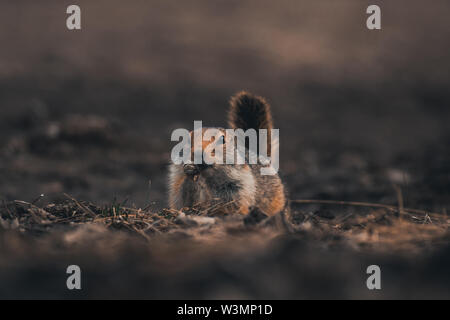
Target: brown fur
column 233, row 188
column 248, row 111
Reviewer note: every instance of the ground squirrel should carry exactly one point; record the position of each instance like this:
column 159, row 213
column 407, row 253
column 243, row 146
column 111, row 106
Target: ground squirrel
column 231, row 188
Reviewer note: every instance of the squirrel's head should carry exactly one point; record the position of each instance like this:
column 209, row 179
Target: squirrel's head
column 209, row 148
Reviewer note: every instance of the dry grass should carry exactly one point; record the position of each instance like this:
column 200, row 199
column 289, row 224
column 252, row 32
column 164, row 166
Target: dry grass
column 136, row 253
column 381, row 229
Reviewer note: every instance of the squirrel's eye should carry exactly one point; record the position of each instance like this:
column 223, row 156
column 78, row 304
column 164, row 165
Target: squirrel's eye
column 221, row 140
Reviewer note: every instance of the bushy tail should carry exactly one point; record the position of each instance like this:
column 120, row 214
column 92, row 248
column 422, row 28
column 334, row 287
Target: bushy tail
column 248, row 111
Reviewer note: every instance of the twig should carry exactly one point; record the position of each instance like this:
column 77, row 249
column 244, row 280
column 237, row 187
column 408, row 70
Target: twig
column 219, row 205
column 148, row 195
column 37, row 199
column 398, row 190
column 363, row 204
column 40, row 210
column 82, row 207
column 7, row 209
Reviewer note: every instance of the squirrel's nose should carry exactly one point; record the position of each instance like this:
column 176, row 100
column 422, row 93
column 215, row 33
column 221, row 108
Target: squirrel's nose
column 191, row 169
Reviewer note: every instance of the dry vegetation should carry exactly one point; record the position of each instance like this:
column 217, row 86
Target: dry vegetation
column 385, row 229
column 141, row 253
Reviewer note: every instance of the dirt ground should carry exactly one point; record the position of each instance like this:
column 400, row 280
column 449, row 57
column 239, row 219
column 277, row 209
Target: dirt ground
column 86, row 118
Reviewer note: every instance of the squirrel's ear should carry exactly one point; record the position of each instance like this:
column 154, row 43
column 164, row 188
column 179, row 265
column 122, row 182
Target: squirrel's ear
column 248, row 111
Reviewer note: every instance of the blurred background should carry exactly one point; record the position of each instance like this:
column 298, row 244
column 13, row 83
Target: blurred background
column 363, row 116
column 90, row 112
